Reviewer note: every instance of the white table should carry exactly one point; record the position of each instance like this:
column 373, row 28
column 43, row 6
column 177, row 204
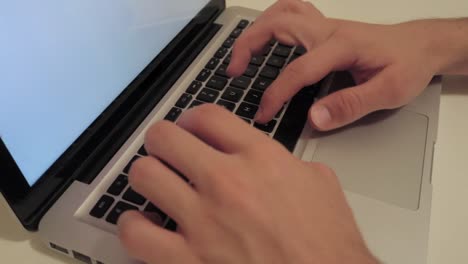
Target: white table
column 449, row 224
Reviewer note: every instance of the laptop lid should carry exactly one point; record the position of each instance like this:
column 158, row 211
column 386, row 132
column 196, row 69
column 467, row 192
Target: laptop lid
column 73, row 73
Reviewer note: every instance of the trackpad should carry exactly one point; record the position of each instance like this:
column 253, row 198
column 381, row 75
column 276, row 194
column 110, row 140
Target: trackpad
column 381, row 156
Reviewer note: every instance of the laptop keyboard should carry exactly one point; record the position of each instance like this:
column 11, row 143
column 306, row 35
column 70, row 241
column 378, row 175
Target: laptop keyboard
column 240, row 95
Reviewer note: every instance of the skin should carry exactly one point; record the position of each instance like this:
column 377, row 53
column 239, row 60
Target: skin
column 250, row 201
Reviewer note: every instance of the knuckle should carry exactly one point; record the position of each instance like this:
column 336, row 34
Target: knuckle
column 350, row 104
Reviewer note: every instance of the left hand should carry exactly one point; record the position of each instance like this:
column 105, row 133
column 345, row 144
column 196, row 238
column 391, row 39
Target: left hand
column 252, row 202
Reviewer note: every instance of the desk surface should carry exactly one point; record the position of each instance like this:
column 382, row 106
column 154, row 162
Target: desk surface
column 449, row 223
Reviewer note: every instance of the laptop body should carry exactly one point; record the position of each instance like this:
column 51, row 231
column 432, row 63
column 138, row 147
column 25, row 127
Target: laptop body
column 384, row 161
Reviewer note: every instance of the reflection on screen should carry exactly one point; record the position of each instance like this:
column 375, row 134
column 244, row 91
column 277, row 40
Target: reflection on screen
column 63, row 62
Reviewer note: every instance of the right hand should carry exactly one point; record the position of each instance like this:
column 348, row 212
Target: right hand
column 391, row 64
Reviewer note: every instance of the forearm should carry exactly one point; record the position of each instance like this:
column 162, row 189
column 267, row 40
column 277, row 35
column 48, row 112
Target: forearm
column 449, row 38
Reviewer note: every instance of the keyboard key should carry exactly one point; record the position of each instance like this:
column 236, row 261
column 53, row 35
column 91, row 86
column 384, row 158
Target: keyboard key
column 119, row 209
column 118, row 185
column 173, row 114
column 221, row 71
column 232, row 94
column 279, row 112
column 266, row 50
column 217, row 82
column 247, row 110
column 228, row 105
column 241, row 82
column 212, row 64
column 253, row 97
column 229, row 42
column 208, row 95
column 203, row 75
column 227, row 60
column 127, row 168
column 221, row 52
column 272, row 42
column 142, row 151
column 195, row 103
column 101, row 207
column 276, row 61
column 194, row 87
column 268, row 127
column 300, row 50
column 171, row 225
column 269, row 72
column 247, row 120
column 159, row 215
column 131, row 196
column 257, row 60
column 184, row 100
column 236, row 33
column 261, row 84
column 251, row 71
column 243, row 24
column 282, row 51
column 293, row 57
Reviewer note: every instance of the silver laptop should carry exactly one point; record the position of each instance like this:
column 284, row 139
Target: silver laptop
column 83, row 80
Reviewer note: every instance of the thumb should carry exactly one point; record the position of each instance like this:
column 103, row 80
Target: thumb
column 350, row 104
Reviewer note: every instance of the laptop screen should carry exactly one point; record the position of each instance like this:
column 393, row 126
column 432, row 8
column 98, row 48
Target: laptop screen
column 63, row 62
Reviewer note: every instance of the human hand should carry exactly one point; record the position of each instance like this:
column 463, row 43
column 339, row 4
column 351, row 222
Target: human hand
column 250, row 202
column 391, row 64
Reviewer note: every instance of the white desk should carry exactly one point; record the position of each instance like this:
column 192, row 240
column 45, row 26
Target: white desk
column 449, row 226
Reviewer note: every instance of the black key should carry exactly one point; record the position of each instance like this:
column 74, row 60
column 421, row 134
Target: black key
column 257, row 60
column 118, row 185
column 134, row 197
column 159, row 216
column 236, row 33
column 247, row 120
column 212, row 64
column 272, row 42
column 194, row 87
column 232, row 94
column 282, row 51
column 300, row 50
column 253, row 97
column 229, row 42
column 208, row 95
column 173, row 114
column 293, row 57
column 101, row 207
column 241, row 82
column 217, row 82
column 196, row 103
column 227, row 60
column 276, row 61
column 228, row 105
column 247, row 110
column 118, row 209
column 243, row 24
column 184, row 100
column 221, row 71
column 221, row 52
column 251, row 71
column 171, row 225
column 266, row 50
column 269, row 72
column 203, row 75
column 127, row 168
column 261, row 84
column 279, row 112
column 142, row 151
column 268, row 127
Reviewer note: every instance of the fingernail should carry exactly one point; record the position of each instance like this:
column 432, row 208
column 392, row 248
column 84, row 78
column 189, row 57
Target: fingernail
column 259, row 114
column 321, row 116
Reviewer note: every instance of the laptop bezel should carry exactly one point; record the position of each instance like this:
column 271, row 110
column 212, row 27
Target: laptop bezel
column 29, row 203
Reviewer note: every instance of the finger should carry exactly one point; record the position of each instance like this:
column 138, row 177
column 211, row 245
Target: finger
column 286, row 28
column 182, row 150
column 152, row 179
column 345, row 106
column 150, row 243
column 306, row 70
column 219, row 128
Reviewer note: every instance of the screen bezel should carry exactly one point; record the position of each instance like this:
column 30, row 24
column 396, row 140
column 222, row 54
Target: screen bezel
column 29, row 203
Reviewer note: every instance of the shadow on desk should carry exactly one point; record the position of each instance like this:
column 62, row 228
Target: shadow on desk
column 455, row 85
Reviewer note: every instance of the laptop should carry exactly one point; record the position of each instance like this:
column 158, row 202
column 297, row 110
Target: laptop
column 83, row 80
